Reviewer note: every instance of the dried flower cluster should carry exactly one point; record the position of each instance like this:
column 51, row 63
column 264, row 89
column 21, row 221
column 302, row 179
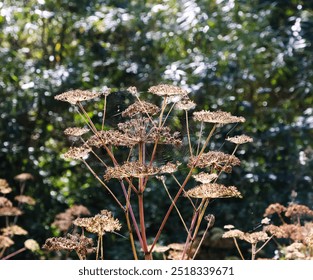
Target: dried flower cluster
column 218, row 117
column 74, row 96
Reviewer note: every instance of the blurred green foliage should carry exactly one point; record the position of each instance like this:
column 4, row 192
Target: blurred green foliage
column 251, row 58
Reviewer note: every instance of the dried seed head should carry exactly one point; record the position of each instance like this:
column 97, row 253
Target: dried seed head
column 141, row 108
column 167, row 90
column 229, row 227
column 217, row 160
column 176, row 246
column 255, row 237
column 25, row 199
column 24, row 177
column 31, row 245
column 204, row 177
column 10, row 211
column 4, row 202
column 110, row 137
column 274, row 208
column 100, row 223
column 218, row 117
column 169, row 167
column 185, row 104
column 276, row 231
column 158, row 248
column 294, row 232
column 75, row 131
column 77, row 153
column 265, row 221
column 240, row 139
column 295, row 251
column 78, row 210
column 213, row 191
column 133, row 90
column 234, row 233
column 295, row 210
column 130, row 169
column 13, row 230
column 74, row 96
column 5, row 242
column 4, row 186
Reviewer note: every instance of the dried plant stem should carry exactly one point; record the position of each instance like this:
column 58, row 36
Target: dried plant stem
column 104, row 111
column 162, row 111
column 168, row 113
column 103, row 184
column 179, row 184
column 88, row 121
column 199, row 139
column 14, row 253
column 238, row 248
column 188, row 134
column 178, row 212
column 264, row 244
column 2, row 252
column 201, row 241
column 253, row 251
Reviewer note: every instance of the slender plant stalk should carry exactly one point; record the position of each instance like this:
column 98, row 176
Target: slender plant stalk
column 104, row 111
column 238, row 248
column 188, row 133
column 201, row 241
column 14, row 253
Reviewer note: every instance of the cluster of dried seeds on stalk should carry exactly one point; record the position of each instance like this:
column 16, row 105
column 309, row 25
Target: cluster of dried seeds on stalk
column 74, row 96
column 218, row 117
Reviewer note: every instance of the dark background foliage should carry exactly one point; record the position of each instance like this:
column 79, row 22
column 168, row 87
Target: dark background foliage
column 250, row 58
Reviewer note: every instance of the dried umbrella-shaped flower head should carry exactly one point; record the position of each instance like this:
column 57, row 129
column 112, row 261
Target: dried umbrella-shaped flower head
column 5, row 242
column 130, row 169
column 213, row 191
column 274, row 208
column 167, row 90
column 74, row 96
column 10, row 211
column 75, row 131
column 4, row 186
column 25, row 199
column 13, row 230
column 24, row 177
column 141, row 107
column 4, row 202
column 240, row 139
column 218, row 160
column 218, row 117
column 185, row 104
column 295, row 210
column 100, row 223
column 169, row 167
column 204, row 177
column 77, row 153
column 210, row 218
column 31, row 245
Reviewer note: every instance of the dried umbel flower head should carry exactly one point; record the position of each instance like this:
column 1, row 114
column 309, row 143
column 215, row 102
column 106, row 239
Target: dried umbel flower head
column 274, row 208
column 10, row 211
column 277, row 231
column 25, row 199
column 217, row 160
column 169, row 167
column 204, row 177
column 4, row 202
column 74, row 96
column 240, row 139
column 77, row 153
column 294, row 232
column 31, row 245
column 100, row 223
column 234, row 233
column 295, row 251
column 213, row 191
column 133, row 90
column 218, row 117
column 109, row 137
column 158, row 248
column 4, row 186
column 176, row 246
column 229, row 227
column 140, row 108
column 75, row 131
column 255, row 237
column 13, row 230
column 5, row 242
column 24, row 177
column 185, row 104
column 78, row 210
column 167, row 90
column 130, row 169
column 79, row 243
column 295, row 210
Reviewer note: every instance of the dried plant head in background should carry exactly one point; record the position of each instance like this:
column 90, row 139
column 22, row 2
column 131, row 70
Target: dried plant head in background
column 4, row 202
column 13, row 230
column 274, row 208
column 74, row 96
column 240, row 139
column 213, row 191
column 185, row 104
column 5, row 242
column 31, row 245
column 10, row 211
column 298, row 210
column 205, row 178
column 25, row 199
column 217, row 117
column 4, row 187
column 167, row 90
column 24, row 177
